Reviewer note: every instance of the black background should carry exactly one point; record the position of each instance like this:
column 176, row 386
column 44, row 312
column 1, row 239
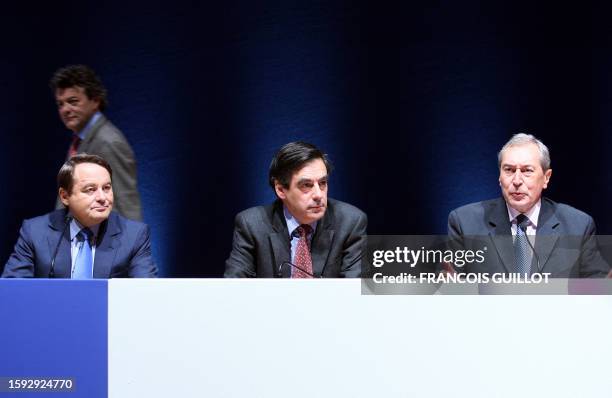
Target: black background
column 412, row 103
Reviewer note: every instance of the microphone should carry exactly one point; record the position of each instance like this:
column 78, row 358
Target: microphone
column 289, row 263
column 66, row 224
column 524, row 229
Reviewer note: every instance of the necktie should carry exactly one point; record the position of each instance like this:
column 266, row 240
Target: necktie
column 302, row 253
column 74, row 146
column 83, row 265
column 521, row 246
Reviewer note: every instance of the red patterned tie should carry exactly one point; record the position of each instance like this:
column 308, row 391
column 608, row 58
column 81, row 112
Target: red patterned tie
column 74, row 146
column 302, row 259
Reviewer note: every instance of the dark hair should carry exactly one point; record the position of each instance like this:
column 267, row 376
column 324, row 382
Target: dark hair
column 80, row 76
column 65, row 177
column 290, row 158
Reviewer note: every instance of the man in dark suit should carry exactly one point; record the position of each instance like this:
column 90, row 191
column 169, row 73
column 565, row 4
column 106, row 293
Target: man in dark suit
column 565, row 243
column 85, row 239
column 81, row 98
column 303, row 234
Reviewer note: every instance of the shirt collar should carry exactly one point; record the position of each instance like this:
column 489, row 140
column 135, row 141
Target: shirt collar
column 292, row 223
column 76, row 227
column 83, row 133
column 532, row 214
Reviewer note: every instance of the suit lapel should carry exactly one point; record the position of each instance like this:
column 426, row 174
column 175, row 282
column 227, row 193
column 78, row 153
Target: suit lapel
column 84, row 147
column 106, row 248
column 63, row 260
column 321, row 242
column 279, row 241
column 546, row 237
column 281, row 245
column 501, row 233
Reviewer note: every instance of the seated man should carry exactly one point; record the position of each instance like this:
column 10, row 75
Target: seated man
column 85, row 239
column 303, row 234
column 565, row 244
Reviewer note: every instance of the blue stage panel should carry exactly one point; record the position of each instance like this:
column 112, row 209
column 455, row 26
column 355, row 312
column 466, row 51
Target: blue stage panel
column 55, row 328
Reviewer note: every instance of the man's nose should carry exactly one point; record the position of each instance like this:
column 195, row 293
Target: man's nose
column 517, row 178
column 101, row 195
column 317, row 193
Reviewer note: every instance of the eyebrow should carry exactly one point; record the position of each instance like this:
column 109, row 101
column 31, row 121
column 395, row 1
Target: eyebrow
column 96, row 184
column 517, row 166
column 311, row 179
column 66, row 99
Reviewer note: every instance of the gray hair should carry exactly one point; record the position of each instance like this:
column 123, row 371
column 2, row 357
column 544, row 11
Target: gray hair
column 524, row 139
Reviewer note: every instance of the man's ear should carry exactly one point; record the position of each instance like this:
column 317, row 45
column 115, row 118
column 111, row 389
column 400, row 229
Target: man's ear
column 63, row 194
column 280, row 190
column 547, row 176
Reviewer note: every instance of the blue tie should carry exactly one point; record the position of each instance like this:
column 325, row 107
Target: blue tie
column 83, row 265
column 521, row 246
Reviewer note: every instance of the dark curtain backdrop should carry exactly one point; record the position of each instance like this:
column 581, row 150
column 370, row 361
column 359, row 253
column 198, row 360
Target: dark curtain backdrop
column 412, row 103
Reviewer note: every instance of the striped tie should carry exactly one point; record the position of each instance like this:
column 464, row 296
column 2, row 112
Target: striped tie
column 521, row 246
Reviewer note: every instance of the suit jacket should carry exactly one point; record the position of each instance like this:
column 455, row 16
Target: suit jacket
column 123, row 249
column 565, row 242
column 261, row 242
column 105, row 140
